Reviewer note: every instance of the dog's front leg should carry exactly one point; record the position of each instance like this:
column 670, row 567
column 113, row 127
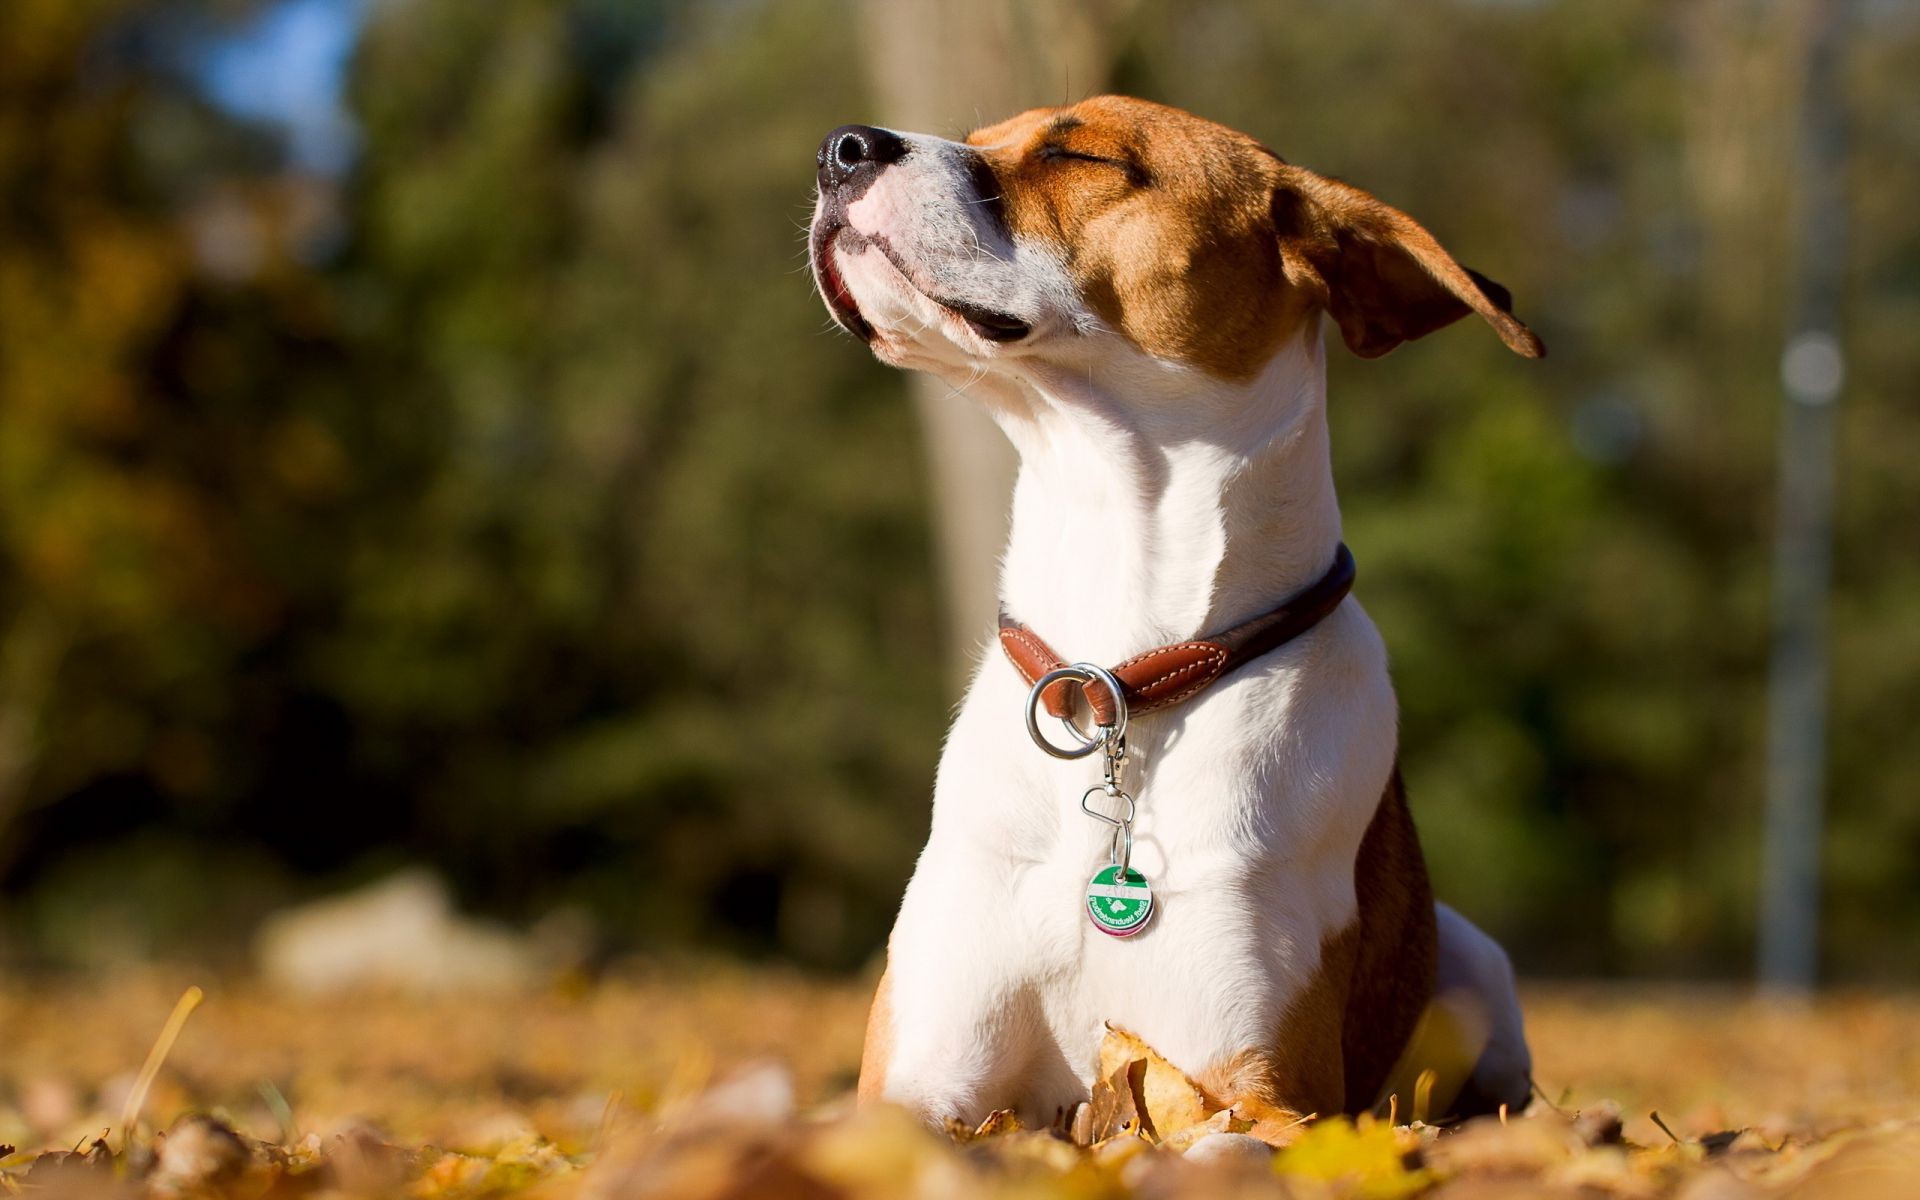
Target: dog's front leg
column 955, row 1028
column 1244, row 996
column 876, row 1053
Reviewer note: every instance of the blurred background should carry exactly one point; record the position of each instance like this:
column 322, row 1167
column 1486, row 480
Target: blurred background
column 425, row 468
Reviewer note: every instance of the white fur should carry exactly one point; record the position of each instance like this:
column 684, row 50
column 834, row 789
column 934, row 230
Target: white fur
column 1154, row 503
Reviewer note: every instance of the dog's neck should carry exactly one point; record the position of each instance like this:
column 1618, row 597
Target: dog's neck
column 1157, row 504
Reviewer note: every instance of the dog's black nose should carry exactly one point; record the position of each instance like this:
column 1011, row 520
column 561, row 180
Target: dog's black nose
column 857, row 151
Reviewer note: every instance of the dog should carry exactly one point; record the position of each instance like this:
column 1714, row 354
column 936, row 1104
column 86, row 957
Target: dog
column 1137, row 295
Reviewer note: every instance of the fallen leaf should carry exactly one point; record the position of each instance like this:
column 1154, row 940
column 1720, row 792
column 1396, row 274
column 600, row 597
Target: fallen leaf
column 1224, row 1121
column 199, row 1154
column 1599, row 1124
column 1720, row 1141
column 71, row 1169
column 880, row 1150
column 1168, row 1100
column 1114, row 1108
column 1523, row 1147
column 359, row 1159
column 1370, row 1158
column 997, row 1122
column 1037, row 1149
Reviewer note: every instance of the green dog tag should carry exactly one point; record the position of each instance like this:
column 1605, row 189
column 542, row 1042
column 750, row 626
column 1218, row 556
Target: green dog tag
column 1119, row 905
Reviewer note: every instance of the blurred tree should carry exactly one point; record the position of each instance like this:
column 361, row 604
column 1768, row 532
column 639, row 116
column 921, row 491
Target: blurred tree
column 169, row 372
column 655, row 505
column 944, row 68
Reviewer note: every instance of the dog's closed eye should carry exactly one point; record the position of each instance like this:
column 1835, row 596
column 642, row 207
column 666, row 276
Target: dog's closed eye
column 1054, row 152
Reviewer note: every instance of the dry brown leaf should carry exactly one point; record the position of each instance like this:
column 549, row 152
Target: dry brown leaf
column 1167, row 1098
column 360, row 1159
column 1037, row 1149
column 1867, row 1165
column 1114, row 1107
column 1223, row 1121
column 999, row 1121
column 72, row 1169
column 1488, row 1147
column 199, row 1154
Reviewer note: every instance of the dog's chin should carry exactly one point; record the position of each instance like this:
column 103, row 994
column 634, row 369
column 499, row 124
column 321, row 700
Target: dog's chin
column 916, row 342
column 987, row 324
column 912, row 331
column 848, row 263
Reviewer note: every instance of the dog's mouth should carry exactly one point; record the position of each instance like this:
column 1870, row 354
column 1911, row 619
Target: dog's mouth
column 833, row 287
column 988, row 323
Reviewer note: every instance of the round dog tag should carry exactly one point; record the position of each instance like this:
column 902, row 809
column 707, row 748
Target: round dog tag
column 1119, row 904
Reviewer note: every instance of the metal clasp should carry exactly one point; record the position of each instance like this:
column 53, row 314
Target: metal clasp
column 1120, row 843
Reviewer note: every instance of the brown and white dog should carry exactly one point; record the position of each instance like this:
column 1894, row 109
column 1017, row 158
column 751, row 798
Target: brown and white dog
column 1136, row 295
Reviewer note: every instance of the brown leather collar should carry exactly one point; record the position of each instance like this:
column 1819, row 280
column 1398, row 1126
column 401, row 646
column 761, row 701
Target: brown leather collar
column 1167, row 675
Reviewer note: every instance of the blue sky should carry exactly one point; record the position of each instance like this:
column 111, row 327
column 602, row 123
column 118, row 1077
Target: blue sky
column 286, row 67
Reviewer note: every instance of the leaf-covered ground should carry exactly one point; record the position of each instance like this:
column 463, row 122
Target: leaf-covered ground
column 719, row 1083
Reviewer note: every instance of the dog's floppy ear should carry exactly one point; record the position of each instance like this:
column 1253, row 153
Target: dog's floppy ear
column 1382, row 278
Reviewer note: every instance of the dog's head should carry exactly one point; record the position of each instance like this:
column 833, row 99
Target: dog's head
column 1119, row 218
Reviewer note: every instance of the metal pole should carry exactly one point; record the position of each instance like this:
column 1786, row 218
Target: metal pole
column 1812, row 370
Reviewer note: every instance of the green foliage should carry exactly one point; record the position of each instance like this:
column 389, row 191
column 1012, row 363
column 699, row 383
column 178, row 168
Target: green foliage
column 541, row 529
column 553, row 540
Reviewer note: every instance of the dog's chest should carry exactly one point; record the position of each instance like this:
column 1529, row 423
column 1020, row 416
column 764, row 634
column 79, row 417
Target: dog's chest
column 1237, row 849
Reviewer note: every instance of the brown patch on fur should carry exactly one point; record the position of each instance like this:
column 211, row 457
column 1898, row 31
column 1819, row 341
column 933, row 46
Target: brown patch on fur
column 1202, row 246
column 1163, row 220
column 1345, row 1030
column 1396, row 949
column 1301, row 1072
column 1382, row 277
column 878, row 1050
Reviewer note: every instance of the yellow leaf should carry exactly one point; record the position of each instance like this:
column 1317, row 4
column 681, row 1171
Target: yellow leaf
column 1370, row 1158
column 874, row 1151
column 1224, row 1121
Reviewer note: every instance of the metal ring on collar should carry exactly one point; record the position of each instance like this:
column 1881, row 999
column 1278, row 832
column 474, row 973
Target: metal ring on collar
column 1079, row 673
